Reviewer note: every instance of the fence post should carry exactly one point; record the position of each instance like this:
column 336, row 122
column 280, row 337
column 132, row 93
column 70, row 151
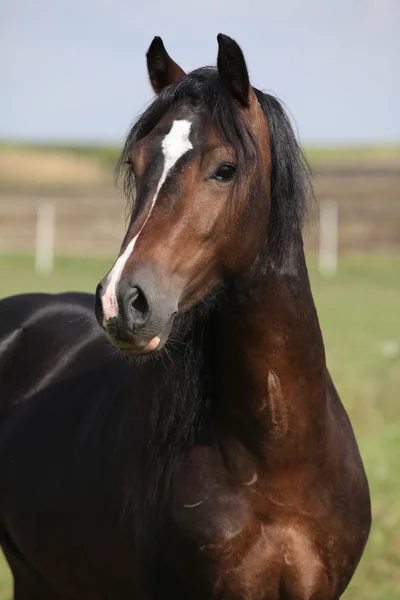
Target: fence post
column 45, row 236
column 328, row 238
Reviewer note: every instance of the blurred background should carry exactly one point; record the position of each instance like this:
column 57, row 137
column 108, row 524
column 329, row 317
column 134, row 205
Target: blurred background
column 72, row 80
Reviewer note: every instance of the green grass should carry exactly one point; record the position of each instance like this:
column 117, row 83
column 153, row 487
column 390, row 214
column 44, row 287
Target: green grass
column 359, row 313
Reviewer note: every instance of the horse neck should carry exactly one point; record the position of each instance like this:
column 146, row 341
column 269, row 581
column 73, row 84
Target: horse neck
column 269, row 360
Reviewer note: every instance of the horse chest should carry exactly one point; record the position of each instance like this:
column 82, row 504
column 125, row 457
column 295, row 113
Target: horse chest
column 237, row 543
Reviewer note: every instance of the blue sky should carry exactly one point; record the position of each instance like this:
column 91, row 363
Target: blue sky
column 75, row 69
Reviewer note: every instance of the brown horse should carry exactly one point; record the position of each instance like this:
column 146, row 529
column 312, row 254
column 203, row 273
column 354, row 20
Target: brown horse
column 221, row 463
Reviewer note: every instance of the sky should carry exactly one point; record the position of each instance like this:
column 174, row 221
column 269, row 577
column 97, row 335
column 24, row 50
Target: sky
column 75, row 70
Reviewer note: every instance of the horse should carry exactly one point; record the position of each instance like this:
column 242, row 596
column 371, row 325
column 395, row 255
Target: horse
column 177, row 434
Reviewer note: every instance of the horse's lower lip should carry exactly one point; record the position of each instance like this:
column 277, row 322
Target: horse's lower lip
column 152, row 345
column 139, row 346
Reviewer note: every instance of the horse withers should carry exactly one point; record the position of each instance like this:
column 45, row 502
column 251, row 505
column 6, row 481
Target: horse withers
column 193, row 445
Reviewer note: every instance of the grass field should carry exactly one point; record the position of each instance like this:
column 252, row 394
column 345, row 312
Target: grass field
column 359, row 311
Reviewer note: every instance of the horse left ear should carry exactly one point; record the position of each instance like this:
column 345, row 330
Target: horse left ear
column 232, row 69
column 162, row 69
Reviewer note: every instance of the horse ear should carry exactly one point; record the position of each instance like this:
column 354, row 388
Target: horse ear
column 162, row 69
column 232, row 69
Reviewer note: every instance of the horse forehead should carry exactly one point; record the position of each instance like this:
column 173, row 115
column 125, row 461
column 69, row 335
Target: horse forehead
column 170, row 139
column 177, row 141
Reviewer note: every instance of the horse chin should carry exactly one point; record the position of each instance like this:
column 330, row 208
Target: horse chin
column 146, row 346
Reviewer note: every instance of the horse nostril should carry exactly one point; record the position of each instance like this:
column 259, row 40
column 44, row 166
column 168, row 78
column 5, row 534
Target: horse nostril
column 98, row 305
column 139, row 306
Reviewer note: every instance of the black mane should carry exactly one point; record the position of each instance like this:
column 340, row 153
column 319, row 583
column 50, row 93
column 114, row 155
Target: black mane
column 290, row 176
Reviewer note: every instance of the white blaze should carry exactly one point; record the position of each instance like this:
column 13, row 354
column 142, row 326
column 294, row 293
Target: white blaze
column 175, row 144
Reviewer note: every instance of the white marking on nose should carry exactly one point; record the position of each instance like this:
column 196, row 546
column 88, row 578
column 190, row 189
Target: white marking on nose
column 193, row 505
column 174, row 145
column 252, row 480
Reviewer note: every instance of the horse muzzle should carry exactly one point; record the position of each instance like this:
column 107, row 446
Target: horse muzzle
column 136, row 314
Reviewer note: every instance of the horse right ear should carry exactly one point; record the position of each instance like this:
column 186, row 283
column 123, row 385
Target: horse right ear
column 232, row 69
column 162, row 69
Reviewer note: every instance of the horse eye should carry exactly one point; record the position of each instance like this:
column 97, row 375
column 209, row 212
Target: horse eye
column 225, row 172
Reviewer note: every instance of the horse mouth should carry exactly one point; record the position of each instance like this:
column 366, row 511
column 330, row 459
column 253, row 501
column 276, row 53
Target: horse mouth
column 140, row 344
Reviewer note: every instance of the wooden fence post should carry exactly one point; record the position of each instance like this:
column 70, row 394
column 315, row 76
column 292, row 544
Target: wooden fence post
column 45, row 237
column 328, row 238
